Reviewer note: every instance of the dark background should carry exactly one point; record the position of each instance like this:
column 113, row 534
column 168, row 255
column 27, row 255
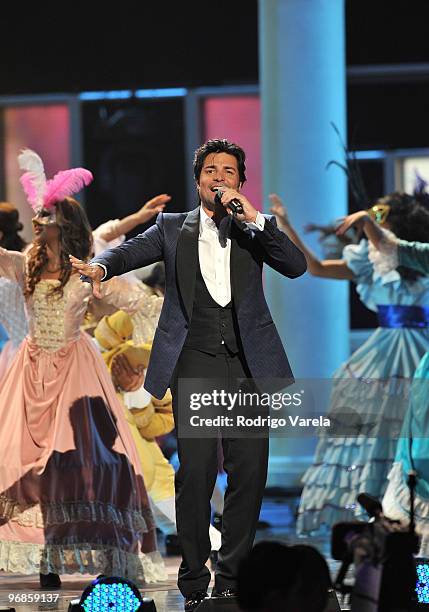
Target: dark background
column 134, row 149
column 88, row 46
column 79, row 47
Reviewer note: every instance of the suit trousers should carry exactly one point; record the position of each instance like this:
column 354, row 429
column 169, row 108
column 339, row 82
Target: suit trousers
column 245, row 463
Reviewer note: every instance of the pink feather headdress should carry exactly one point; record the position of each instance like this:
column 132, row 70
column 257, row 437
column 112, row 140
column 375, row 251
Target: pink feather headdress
column 42, row 193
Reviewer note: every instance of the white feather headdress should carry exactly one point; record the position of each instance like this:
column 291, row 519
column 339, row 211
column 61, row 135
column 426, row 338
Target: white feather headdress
column 42, row 193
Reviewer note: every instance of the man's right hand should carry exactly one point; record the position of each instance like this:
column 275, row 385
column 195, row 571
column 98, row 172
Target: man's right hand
column 93, row 272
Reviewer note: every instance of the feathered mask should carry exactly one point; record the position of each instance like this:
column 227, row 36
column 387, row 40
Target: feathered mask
column 43, row 194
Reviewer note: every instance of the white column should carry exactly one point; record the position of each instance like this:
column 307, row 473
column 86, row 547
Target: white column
column 302, row 84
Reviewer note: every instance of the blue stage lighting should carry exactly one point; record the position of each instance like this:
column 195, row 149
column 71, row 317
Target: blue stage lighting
column 112, row 594
column 422, row 586
column 168, row 92
column 106, row 95
column 365, row 155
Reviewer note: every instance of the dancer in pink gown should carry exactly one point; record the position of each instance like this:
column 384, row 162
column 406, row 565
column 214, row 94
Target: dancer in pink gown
column 72, row 495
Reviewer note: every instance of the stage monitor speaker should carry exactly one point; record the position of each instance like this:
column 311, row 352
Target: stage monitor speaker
column 147, row 605
column 218, row 604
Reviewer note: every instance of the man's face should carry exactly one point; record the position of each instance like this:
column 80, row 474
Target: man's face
column 219, row 170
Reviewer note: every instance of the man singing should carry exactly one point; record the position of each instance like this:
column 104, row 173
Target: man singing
column 215, row 323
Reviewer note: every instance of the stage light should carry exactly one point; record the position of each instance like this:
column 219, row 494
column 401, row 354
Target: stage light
column 124, row 94
column 112, row 594
column 168, row 92
column 422, row 586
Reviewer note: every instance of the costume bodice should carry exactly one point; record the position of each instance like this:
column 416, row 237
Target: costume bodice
column 383, row 287
column 55, row 319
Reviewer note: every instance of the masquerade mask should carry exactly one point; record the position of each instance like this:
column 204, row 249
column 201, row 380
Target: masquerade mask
column 379, row 212
column 45, row 217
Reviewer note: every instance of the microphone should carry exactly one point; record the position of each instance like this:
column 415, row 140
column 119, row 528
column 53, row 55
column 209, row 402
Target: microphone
column 234, row 205
column 370, row 504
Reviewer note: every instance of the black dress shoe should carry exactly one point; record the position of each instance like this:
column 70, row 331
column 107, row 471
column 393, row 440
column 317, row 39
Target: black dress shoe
column 50, row 581
column 194, row 599
column 230, row 592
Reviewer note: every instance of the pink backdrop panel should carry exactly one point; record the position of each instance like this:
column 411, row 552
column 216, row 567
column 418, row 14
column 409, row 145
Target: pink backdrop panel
column 46, row 130
column 237, row 118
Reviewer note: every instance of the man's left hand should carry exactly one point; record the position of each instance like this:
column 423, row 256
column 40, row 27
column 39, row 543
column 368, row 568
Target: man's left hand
column 249, row 212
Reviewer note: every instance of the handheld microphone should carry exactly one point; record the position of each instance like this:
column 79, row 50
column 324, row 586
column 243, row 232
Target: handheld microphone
column 234, row 205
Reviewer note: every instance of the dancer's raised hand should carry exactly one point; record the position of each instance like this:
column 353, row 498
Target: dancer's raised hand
column 153, row 207
column 278, row 209
column 357, row 220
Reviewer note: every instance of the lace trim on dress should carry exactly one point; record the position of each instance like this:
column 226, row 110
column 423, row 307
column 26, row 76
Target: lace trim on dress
column 385, row 258
column 60, row 513
column 82, row 558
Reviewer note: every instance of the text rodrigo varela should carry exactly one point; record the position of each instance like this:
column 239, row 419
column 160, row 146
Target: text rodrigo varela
column 236, row 403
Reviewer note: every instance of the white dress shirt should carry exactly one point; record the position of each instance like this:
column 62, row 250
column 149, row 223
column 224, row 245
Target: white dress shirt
column 215, row 258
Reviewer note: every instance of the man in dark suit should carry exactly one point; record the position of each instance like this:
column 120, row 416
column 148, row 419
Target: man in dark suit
column 215, row 323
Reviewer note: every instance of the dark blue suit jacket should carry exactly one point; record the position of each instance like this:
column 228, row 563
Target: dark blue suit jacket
column 174, row 239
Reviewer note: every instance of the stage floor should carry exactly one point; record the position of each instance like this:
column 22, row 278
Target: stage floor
column 278, row 513
column 166, row 595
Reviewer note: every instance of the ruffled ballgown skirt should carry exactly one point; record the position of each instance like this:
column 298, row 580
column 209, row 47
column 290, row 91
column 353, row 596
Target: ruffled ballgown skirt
column 72, row 495
column 413, row 454
column 374, row 387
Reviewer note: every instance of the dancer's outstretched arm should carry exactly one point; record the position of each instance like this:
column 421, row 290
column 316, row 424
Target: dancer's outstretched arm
column 326, row 268
column 140, row 251
column 127, row 224
column 373, row 231
column 12, row 265
column 414, row 255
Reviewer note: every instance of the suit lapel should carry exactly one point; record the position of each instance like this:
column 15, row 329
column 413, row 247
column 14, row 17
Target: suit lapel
column 187, row 259
column 239, row 265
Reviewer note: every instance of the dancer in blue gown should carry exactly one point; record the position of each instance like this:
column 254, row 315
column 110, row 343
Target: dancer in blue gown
column 412, row 452
column 372, row 383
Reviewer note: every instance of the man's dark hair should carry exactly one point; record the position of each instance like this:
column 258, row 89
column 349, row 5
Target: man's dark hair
column 216, row 145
